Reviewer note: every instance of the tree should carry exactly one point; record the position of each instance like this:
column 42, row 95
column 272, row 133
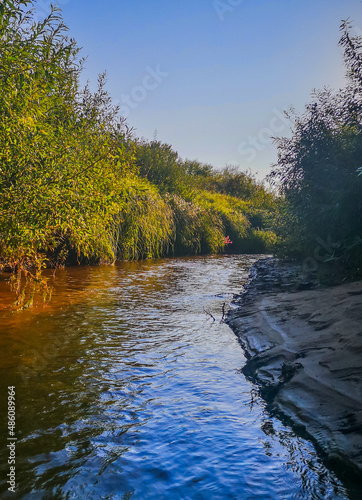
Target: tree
column 317, row 166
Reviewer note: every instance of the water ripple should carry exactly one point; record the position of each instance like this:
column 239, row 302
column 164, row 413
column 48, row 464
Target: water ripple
column 143, row 397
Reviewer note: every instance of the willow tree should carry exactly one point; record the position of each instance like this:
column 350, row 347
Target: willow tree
column 317, row 168
column 62, row 154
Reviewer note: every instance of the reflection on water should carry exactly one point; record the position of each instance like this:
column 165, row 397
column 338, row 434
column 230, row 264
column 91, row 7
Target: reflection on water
column 126, row 388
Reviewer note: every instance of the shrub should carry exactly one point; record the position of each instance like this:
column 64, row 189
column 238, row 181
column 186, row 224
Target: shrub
column 317, row 168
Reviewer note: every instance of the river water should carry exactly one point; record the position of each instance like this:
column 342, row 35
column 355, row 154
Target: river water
column 127, row 388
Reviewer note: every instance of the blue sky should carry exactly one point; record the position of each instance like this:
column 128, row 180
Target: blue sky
column 212, row 77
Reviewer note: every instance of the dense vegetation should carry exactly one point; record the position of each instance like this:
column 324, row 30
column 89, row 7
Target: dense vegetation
column 77, row 186
column 319, row 172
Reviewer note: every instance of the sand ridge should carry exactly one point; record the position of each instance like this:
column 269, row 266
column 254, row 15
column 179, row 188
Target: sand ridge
column 304, row 349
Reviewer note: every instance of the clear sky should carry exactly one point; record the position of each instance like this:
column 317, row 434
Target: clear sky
column 212, row 77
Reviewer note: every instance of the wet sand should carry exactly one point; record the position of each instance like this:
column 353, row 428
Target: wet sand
column 304, row 349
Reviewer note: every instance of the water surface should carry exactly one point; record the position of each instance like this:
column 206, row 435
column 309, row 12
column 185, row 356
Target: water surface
column 126, row 388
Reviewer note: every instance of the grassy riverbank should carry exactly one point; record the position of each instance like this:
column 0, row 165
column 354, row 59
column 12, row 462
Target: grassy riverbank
column 77, row 185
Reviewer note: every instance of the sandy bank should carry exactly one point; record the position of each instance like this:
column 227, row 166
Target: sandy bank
column 304, row 348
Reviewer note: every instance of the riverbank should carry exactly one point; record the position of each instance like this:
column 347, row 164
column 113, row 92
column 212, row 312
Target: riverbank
column 303, row 344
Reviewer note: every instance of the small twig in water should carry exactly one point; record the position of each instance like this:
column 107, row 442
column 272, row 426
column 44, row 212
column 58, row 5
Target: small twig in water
column 223, row 312
column 207, row 312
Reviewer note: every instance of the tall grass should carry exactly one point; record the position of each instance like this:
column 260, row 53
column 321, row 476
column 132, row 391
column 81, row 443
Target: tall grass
column 77, row 186
column 147, row 226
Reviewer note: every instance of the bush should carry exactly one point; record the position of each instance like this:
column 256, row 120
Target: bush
column 317, row 168
column 76, row 185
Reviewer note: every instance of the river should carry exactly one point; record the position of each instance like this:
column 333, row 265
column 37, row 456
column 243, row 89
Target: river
column 126, row 387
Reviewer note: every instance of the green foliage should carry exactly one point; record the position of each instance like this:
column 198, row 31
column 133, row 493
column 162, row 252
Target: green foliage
column 188, row 218
column 197, row 170
column 237, row 217
column 232, row 182
column 60, row 159
column 197, row 229
column 161, row 165
column 76, row 186
column 229, row 210
column 317, row 167
column 147, row 226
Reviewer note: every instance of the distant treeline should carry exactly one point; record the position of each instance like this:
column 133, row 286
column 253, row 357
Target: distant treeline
column 78, row 187
column 319, row 173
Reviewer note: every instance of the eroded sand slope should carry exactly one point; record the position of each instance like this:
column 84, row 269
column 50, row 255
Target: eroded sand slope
column 305, row 350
